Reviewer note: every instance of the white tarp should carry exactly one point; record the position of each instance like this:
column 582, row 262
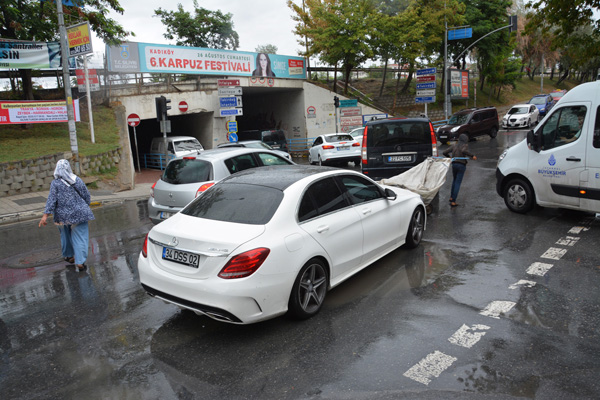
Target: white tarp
column 425, row 179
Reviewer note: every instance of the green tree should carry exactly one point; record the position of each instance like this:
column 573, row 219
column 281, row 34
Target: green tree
column 34, row 20
column 211, row 29
column 267, row 49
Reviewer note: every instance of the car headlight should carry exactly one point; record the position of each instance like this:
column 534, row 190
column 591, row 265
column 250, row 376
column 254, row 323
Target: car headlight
column 502, row 156
column 454, row 129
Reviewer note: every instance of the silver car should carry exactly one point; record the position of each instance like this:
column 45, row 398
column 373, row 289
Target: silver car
column 255, row 144
column 187, row 177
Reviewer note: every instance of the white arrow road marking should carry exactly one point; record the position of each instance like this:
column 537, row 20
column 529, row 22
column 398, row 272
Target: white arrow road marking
column 495, row 308
column 431, row 366
column 554, row 253
column 577, row 230
column 567, row 241
column 538, row 268
column 467, row 337
column 523, row 282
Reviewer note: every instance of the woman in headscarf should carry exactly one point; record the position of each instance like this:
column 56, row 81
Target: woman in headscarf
column 460, row 153
column 68, row 202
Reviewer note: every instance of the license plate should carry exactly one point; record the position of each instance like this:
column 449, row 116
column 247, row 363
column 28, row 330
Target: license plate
column 181, row 257
column 275, row 146
column 343, row 148
column 443, row 136
column 165, row 215
column 399, row 158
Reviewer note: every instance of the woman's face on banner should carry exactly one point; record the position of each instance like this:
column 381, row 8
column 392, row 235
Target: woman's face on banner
column 263, row 61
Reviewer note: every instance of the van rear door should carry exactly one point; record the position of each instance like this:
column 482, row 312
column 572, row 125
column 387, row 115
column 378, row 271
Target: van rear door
column 556, row 170
column 590, row 181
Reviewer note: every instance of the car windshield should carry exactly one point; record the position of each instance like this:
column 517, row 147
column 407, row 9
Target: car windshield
column 458, row 119
column 558, row 94
column 538, row 100
column 236, row 203
column 191, row 144
column 187, row 171
column 518, row 110
column 338, row 138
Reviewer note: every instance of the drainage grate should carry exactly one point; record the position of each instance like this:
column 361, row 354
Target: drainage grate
column 29, row 200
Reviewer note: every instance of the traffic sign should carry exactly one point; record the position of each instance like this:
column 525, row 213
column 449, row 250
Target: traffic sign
column 426, row 99
column 233, row 101
column 228, row 82
column 230, row 91
column 427, row 92
column 427, row 85
column 228, row 112
column 233, row 137
column 348, row 103
column 426, row 71
column 426, row 78
column 133, row 120
column 461, row 33
column 232, row 126
column 183, row 106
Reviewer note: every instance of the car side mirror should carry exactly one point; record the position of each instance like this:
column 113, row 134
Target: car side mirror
column 390, row 194
column 534, row 141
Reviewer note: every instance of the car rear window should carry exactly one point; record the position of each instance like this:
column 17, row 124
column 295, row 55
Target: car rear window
column 237, row 203
column 338, row 138
column 398, row 132
column 187, row 171
column 189, row 144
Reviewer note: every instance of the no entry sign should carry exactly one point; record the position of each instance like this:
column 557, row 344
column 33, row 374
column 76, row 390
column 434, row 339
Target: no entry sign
column 183, row 106
column 133, row 120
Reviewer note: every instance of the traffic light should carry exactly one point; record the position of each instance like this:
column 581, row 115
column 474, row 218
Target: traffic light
column 162, row 107
column 336, row 101
column 512, row 21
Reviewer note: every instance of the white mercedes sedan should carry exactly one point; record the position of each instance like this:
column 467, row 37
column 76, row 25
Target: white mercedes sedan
column 272, row 240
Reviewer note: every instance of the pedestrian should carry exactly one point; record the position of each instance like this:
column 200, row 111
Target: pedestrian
column 68, row 202
column 460, row 152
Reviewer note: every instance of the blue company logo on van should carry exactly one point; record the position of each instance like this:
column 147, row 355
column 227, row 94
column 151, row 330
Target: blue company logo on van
column 551, row 172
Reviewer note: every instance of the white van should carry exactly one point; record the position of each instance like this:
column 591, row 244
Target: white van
column 558, row 165
column 176, row 145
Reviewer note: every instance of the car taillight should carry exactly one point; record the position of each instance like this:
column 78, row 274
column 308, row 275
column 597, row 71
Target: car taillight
column 363, row 152
column 145, row 247
column 244, row 264
column 328, row 147
column 152, row 189
column 189, row 158
column 203, row 188
column 355, row 144
column 434, row 150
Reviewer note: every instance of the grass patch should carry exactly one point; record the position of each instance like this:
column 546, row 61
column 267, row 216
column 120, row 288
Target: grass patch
column 17, row 143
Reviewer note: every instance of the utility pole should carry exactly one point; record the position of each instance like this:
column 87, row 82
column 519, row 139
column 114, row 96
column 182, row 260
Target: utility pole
column 64, row 52
column 542, row 75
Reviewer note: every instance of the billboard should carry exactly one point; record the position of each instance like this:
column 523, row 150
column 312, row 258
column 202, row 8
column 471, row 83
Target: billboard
column 459, row 84
column 31, row 55
column 35, row 111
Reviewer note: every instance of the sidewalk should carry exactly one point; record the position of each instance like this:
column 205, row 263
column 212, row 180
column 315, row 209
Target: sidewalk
column 24, row 207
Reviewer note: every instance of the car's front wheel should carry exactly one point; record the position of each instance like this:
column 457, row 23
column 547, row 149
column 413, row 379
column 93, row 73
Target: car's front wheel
column 493, row 132
column 415, row 228
column 309, row 290
column 518, row 196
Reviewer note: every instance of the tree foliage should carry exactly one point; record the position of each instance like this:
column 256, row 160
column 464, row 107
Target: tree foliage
column 267, row 49
column 211, row 29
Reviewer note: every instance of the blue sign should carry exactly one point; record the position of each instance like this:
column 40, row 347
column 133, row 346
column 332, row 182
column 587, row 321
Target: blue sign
column 224, row 112
column 348, row 103
column 426, row 71
column 233, row 137
column 426, row 85
column 426, row 99
column 461, row 33
column 232, row 126
column 229, row 101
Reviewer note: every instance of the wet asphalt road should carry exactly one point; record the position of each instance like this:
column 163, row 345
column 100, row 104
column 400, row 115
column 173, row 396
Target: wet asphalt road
column 458, row 317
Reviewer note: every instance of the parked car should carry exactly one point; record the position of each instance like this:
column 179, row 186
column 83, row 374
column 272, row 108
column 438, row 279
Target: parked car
column 334, row 148
column 255, row 144
column 395, row 145
column 557, row 94
column 187, row 177
column 273, row 137
column 521, row 116
column 543, row 102
column 357, row 134
column 177, row 146
column 271, row 240
column 472, row 122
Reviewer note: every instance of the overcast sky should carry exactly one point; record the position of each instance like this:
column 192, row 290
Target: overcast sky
column 257, row 22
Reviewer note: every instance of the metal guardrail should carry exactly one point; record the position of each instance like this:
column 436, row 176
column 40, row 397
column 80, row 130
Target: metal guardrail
column 437, row 124
column 156, row 160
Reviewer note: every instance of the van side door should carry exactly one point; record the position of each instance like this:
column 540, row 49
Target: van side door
column 590, row 180
column 556, row 170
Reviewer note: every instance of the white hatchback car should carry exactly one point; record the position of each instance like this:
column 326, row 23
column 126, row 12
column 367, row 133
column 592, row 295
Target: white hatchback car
column 334, row 148
column 521, row 116
column 270, row 240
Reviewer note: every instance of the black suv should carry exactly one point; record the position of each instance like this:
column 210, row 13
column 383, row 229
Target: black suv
column 395, row 145
column 472, row 122
column 273, row 137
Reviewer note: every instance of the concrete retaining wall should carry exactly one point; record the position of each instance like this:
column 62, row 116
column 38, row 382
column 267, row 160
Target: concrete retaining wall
column 33, row 175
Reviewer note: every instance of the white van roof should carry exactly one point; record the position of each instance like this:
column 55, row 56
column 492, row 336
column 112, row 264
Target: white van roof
column 589, row 91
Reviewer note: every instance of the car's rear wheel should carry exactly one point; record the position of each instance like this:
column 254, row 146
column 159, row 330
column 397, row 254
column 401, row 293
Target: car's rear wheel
column 309, row 290
column 415, row 228
column 493, row 132
column 518, row 196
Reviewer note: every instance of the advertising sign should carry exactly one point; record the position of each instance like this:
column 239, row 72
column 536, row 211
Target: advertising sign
column 123, row 58
column 93, row 78
column 350, row 111
column 31, row 55
column 79, row 38
column 32, row 112
column 459, row 84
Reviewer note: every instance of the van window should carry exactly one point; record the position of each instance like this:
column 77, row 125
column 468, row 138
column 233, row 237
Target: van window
column 597, row 129
column 398, row 132
column 564, row 126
